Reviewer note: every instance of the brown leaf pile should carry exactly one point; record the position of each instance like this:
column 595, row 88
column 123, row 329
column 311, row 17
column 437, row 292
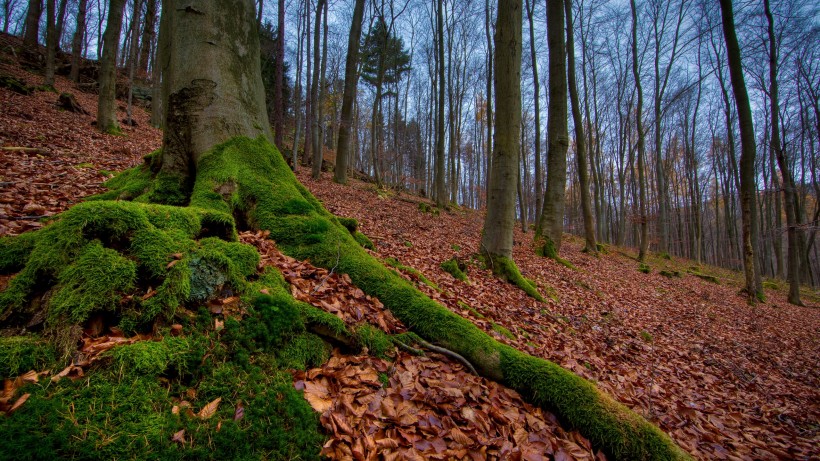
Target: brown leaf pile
column 331, row 292
column 51, row 158
column 725, row 380
column 430, row 408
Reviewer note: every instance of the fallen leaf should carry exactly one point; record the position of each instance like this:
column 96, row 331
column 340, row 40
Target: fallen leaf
column 210, row 409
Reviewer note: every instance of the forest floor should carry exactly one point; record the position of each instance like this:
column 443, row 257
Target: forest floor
column 726, row 380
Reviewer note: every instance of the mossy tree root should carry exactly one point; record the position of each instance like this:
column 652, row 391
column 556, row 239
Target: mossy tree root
column 267, row 194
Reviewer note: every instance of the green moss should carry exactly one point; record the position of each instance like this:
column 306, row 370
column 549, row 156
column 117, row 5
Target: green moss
column 393, row 262
column 377, row 342
column 502, row 331
column 645, row 268
column 665, row 255
column 14, row 251
column 470, row 309
column 507, row 270
column 670, row 274
column 349, row 223
column 768, row 284
column 427, row 208
column 454, row 268
column 707, row 277
column 646, row 336
column 95, row 282
column 364, row 241
column 305, row 351
column 19, row 354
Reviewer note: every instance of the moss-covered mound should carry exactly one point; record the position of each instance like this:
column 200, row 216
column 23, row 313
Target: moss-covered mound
column 247, row 182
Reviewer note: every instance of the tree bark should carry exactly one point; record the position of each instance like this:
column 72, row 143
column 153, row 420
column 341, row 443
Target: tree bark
column 148, row 35
column 580, row 145
column 279, row 78
column 748, row 149
column 539, row 185
column 441, row 189
column 77, row 42
column 351, row 81
column 644, row 244
column 217, row 96
column 107, row 103
column 315, row 129
column 497, row 236
column 551, row 226
column 785, row 172
column 51, row 41
column 32, row 34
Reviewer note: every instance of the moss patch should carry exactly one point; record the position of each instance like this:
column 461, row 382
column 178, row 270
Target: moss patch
column 19, row 354
column 455, row 268
column 393, row 262
column 507, row 270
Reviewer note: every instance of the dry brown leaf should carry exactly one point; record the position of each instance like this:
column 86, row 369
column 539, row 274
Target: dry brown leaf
column 210, row 409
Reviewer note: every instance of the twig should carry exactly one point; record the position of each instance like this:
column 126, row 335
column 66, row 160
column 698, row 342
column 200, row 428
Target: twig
column 338, row 255
column 448, row 353
column 407, row 348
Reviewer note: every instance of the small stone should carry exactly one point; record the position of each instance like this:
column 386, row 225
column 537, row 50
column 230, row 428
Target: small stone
column 176, row 329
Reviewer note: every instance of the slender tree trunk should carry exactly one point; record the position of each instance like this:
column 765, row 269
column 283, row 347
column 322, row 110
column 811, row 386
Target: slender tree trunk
column 317, row 82
column 489, row 141
column 785, row 172
column 51, row 41
column 148, row 35
column 298, row 90
column 441, row 189
column 580, row 146
column 61, row 12
column 551, row 226
column 351, row 80
column 134, row 55
column 539, row 186
column 748, row 148
column 644, row 244
column 77, row 42
column 497, row 237
column 279, row 77
column 107, row 104
column 306, row 156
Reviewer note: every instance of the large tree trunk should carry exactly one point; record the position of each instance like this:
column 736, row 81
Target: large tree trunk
column 644, row 245
column 785, row 172
column 32, row 34
column 497, row 236
column 217, row 96
column 748, row 149
column 580, row 146
column 351, row 80
column 148, row 33
column 77, row 42
column 551, row 226
column 107, row 103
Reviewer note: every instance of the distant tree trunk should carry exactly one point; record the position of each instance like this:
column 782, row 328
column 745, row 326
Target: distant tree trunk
column 314, row 94
column 32, row 35
column 107, row 103
column 158, row 73
column 215, row 99
column 51, row 41
column 539, row 184
column 351, row 80
column 279, row 78
column 61, row 11
column 133, row 55
column 748, row 148
column 551, row 227
column 497, row 235
column 441, row 189
column 148, row 33
column 580, row 145
column 77, row 42
column 788, row 182
column 641, row 137
column 298, row 90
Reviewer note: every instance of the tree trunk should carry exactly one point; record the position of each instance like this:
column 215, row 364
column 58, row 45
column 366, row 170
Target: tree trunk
column 351, row 81
column 748, row 148
column 107, row 103
column 132, row 58
column 32, row 34
column 644, row 244
column 61, row 11
column 441, row 189
column 497, row 236
column 580, row 146
column 539, row 185
column 148, row 35
column 551, row 226
column 785, row 172
column 279, row 78
column 51, row 41
column 318, row 76
column 77, row 42
column 489, row 142
column 218, row 96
